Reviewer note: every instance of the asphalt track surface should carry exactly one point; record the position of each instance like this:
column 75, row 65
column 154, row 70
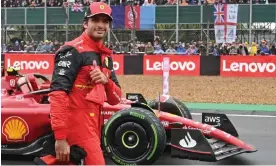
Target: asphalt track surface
column 258, row 130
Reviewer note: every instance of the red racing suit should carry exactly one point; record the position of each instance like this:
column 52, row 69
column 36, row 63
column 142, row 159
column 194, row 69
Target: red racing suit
column 73, row 117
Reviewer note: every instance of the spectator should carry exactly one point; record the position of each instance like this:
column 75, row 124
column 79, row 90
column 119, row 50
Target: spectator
column 47, row 46
column 184, row 3
column 224, row 49
column 273, row 49
column 253, row 49
column 149, row 48
column 17, row 46
column 216, row 50
column 264, row 49
column 191, row 50
column 242, row 50
column 202, row 50
column 140, row 46
column 171, row 2
column 4, row 48
column 56, row 46
column 16, row 4
column 117, row 47
column 134, row 48
column 180, row 49
column 125, row 46
column 6, row 3
column 80, row 3
column 233, row 50
column 158, row 50
column 28, row 47
column 148, row 3
column 40, row 47
column 156, row 41
column 171, row 50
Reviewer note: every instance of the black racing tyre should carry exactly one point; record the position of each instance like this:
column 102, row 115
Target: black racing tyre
column 134, row 136
column 169, row 107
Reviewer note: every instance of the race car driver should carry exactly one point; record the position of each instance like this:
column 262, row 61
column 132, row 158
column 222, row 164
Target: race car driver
column 83, row 79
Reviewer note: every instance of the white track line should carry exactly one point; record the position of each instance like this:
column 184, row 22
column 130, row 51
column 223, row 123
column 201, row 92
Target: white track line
column 237, row 115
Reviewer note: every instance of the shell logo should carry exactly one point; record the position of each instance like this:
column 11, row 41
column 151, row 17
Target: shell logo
column 15, row 129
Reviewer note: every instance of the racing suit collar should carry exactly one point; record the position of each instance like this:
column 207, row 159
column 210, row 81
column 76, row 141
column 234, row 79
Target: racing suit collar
column 97, row 46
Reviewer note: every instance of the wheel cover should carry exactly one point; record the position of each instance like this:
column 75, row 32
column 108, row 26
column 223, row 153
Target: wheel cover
column 130, row 141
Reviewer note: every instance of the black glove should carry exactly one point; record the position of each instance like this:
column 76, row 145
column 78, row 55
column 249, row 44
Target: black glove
column 77, row 154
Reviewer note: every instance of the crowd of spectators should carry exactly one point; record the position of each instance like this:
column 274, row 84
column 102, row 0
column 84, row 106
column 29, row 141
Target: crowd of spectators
column 197, row 48
column 59, row 3
column 32, row 46
column 158, row 47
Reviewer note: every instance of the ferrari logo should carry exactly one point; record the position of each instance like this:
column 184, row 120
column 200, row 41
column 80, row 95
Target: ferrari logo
column 15, row 129
column 101, row 6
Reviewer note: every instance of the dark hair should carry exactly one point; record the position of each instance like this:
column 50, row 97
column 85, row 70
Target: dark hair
column 84, row 20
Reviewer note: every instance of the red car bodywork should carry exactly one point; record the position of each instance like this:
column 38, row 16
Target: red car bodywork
column 22, row 114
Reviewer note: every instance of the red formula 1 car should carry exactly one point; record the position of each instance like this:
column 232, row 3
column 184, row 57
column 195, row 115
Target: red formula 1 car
column 133, row 132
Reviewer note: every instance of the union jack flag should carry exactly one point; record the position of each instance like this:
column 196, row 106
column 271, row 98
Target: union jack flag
column 76, row 7
column 219, row 13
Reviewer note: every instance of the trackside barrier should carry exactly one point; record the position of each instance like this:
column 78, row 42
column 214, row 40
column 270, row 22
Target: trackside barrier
column 179, row 65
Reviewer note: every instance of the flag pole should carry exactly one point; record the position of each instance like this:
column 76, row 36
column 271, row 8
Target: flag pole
column 45, row 20
column 177, row 22
column 109, row 31
column 250, row 23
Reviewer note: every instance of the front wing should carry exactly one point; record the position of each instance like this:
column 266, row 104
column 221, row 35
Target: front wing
column 214, row 139
column 192, row 144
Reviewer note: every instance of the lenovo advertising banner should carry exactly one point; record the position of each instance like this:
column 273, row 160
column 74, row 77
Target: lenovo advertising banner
column 44, row 63
column 179, row 65
column 31, row 63
column 118, row 63
column 248, row 66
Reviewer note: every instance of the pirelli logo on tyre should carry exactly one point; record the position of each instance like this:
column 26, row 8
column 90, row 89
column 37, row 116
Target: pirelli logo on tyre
column 247, row 66
column 179, row 65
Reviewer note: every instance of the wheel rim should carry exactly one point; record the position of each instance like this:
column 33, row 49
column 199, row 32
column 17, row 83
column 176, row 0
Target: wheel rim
column 130, row 141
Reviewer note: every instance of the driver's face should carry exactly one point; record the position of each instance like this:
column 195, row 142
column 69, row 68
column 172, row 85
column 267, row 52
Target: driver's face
column 97, row 26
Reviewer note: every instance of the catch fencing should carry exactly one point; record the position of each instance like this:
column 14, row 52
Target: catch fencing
column 193, row 23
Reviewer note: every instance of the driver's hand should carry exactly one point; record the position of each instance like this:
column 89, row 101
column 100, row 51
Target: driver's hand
column 97, row 76
column 62, row 151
